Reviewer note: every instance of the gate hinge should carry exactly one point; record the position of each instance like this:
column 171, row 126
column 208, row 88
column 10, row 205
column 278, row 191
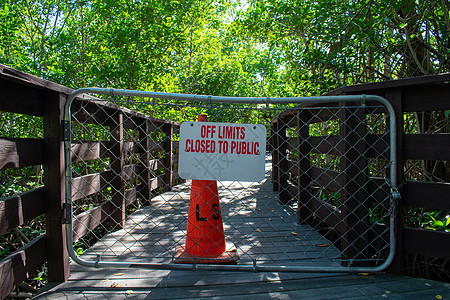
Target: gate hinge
column 67, row 213
column 66, row 130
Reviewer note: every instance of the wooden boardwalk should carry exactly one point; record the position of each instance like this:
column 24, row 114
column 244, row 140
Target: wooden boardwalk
column 262, row 231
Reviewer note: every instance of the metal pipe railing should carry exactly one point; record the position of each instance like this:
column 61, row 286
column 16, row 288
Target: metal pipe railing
column 235, row 100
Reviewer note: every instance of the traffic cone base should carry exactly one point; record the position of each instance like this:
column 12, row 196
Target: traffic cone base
column 228, row 257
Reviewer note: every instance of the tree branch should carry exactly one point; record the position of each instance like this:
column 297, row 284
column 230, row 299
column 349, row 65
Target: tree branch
column 444, row 8
column 413, row 52
column 376, row 71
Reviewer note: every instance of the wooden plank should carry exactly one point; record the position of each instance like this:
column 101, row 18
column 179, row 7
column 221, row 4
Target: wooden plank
column 292, row 143
column 175, row 177
column 145, row 171
column 90, row 219
column 18, row 266
column 156, row 164
column 396, row 97
column 322, row 287
column 289, row 119
column 117, row 163
column 303, row 167
column 328, row 214
column 274, row 245
column 161, row 284
column 90, row 112
column 426, row 242
column 21, row 208
column 15, row 152
column 20, row 99
column 431, row 98
column 329, row 179
column 378, row 190
column 87, row 185
column 155, row 146
column 156, row 182
column 377, row 146
column 319, row 113
column 95, row 111
column 281, row 152
column 379, row 239
column 323, row 113
column 408, row 83
column 430, row 195
column 275, row 155
column 54, row 182
column 130, row 196
column 83, row 151
column 130, row 148
column 353, row 195
column 130, row 172
column 427, row 146
column 27, row 80
column 167, row 160
column 331, row 144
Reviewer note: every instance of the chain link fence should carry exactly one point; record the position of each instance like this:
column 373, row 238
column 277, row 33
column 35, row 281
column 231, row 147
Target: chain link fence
column 326, row 202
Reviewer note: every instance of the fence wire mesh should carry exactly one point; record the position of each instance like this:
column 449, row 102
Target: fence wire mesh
column 324, row 200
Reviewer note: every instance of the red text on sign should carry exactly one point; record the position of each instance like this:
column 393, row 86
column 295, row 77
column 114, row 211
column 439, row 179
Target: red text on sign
column 200, row 146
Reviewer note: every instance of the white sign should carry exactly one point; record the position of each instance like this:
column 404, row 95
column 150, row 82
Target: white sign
column 222, row 151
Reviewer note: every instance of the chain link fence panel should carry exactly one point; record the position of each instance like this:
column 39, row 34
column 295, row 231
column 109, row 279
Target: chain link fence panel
column 326, row 202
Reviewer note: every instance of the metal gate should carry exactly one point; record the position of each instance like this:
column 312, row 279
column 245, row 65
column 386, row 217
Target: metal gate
column 326, row 204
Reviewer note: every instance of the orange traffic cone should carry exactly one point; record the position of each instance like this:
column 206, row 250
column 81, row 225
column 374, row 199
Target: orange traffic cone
column 205, row 240
column 205, row 236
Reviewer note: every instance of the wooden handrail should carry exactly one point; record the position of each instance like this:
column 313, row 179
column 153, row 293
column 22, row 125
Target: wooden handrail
column 422, row 94
column 30, row 95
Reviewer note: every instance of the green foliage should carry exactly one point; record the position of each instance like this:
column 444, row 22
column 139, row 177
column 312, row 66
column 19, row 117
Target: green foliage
column 436, row 220
column 324, row 129
column 18, row 180
column 332, row 43
column 20, row 126
column 266, row 48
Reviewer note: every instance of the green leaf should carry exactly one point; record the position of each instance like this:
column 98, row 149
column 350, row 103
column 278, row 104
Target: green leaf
column 439, row 224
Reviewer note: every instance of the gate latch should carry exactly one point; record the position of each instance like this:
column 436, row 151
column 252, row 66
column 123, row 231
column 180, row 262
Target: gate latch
column 395, row 194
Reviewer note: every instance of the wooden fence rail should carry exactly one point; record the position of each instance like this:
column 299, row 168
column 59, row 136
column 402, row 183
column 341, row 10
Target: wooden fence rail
column 29, row 95
column 416, row 95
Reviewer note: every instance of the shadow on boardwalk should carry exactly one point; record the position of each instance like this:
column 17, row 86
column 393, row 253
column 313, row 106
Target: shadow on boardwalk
column 261, row 229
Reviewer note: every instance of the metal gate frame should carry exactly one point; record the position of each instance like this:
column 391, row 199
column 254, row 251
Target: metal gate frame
column 394, row 194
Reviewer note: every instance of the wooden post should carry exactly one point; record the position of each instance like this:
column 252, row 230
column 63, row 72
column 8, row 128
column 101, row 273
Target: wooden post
column 54, row 181
column 117, row 163
column 145, row 172
column 354, row 194
column 168, row 130
column 394, row 96
column 275, row 155
column 304, row 212
column 283, row 176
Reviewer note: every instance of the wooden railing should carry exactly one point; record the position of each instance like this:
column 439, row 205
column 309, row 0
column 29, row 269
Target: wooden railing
column 29, row 95
column 415, row 95
column 297, row 177
column 115, row 150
